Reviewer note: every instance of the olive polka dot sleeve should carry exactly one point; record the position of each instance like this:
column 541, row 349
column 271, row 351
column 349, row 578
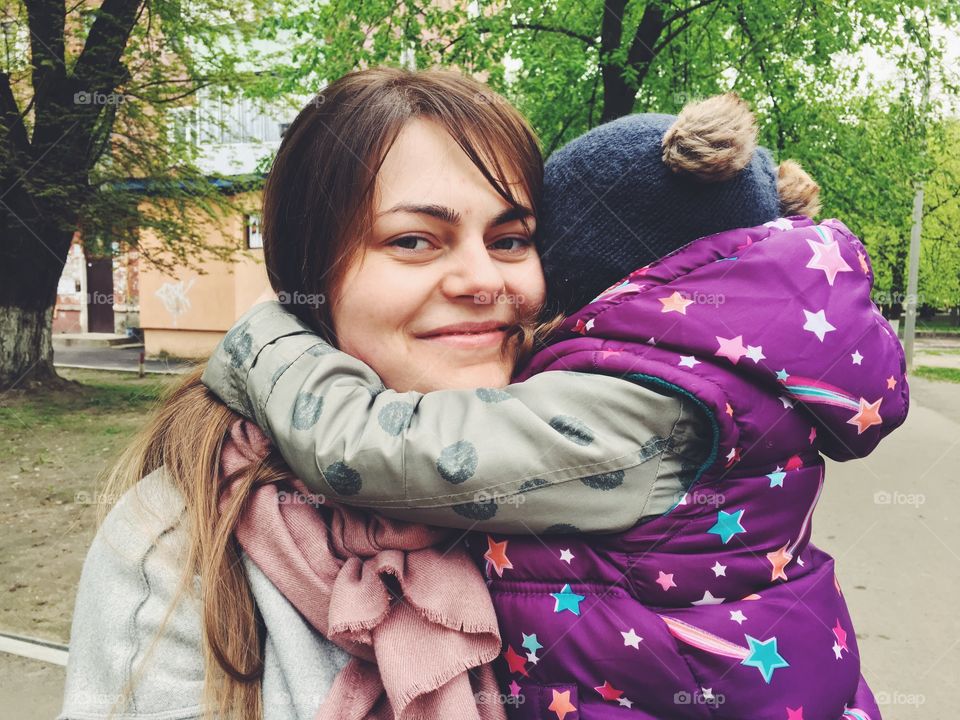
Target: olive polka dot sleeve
column 560, row 451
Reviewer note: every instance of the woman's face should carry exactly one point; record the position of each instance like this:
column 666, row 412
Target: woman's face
column 426, row 303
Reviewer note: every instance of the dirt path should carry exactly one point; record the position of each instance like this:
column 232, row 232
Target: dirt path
column 55, row 448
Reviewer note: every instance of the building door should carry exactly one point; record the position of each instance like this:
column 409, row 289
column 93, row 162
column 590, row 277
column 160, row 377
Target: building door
column 100, row 295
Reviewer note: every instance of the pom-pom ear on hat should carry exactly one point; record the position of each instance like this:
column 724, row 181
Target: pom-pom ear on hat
column 713, row 139
column 799, row 194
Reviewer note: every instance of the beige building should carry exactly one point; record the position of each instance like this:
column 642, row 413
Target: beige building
column 186, row 314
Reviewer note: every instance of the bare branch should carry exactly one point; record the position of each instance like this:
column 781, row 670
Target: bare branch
column 586, row 39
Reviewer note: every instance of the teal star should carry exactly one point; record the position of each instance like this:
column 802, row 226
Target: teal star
column 531, row 643
column 727, row 525
column 764, row 657
column 776, row 478
column 782, row 375
column 567, row 599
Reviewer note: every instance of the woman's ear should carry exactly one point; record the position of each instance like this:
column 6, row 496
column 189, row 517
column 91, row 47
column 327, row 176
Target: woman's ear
column 713, row 139
column 799, row 194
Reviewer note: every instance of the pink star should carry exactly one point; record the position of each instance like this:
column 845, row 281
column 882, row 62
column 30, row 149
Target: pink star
column 813, row 435
column 515, row 689
column 731, row 348
column 841, row 636
column 867, row 416
column 826, row 257
column 795, row 714
column 665, row 581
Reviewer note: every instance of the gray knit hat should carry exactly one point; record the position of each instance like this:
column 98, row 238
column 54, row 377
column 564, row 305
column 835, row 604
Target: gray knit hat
column 631, row 191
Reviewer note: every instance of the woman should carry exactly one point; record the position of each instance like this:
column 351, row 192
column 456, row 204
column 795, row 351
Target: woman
column 381, row 162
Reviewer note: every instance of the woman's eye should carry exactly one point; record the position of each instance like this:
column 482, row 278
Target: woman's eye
column 409, row 242
column 513, row 244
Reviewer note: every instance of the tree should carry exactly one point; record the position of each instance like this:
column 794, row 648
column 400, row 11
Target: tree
column 572, row 64
column 82, row 111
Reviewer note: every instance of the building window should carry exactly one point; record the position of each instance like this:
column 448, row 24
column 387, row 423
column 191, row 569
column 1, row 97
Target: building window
column 254, row 239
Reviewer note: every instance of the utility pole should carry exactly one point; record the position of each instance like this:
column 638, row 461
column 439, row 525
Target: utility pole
column 913, row 268
column 910, row 305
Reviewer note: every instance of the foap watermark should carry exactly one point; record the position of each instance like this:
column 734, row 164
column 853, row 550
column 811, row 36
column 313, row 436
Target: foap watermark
column 295, row 497
column 895, row 697
column 84, row 97
column 312, row 300
column 485, row 298
column 483, row 497
column 489, row 98
column 82, row 497
column 682, row 98
column 710, row 499
column 889, row 297
column 696, row 297
column 706, row 696
column 885, row 497
column 492, row 698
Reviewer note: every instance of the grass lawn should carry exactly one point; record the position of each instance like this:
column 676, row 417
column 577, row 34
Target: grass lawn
column 937, row 373
column 56, row 447
column 938, row 324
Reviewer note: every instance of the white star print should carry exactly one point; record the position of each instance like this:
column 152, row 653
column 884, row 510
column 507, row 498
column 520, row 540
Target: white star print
column 837, row 650
column 708, row 599
column 566, row 555
column 857, row 357
column 737, row 616
column 755, row 353
column 625, row 703
column 719, row 569
column 688, row 361
column 632, row 639
column 817, row 324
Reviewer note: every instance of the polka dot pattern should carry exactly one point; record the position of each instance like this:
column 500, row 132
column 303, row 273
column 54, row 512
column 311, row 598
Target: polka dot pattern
column 395, row 417
column 321, row 349
column 561, row 529
column 476, row 510
column 306, row 410
column 343, row 479
column 604, row 481
column 531, row 484
column 572, row 428
column 239, row 344
column 458, row 462
column 492, row 395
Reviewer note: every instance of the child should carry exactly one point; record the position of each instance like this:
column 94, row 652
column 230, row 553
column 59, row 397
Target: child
column 713, row 606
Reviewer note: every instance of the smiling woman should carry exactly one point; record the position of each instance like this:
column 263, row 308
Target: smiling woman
column 448, row 263
column 410, row 201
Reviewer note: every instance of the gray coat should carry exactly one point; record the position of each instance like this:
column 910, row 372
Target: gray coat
column 129, row 578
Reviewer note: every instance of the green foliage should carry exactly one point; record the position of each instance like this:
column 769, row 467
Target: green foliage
column 802, row 65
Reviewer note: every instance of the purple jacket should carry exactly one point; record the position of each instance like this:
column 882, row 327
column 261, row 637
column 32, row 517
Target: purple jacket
column 721, row 608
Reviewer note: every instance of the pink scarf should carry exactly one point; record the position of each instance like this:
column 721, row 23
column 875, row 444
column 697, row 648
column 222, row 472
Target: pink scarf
column 413, row 656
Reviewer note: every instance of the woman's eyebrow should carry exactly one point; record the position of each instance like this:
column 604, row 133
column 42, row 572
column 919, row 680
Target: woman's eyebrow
column 452, row 217
column 447, row 215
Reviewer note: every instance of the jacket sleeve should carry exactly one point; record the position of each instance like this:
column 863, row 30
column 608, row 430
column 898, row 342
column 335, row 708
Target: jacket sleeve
column 129, row 579
column 559, row 450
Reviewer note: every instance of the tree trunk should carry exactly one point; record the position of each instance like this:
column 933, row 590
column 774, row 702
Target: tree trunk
column 26, row 346
column 35, row 241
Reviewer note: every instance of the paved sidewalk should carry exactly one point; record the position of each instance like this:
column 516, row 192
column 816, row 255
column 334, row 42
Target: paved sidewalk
column 893, row 525
column 107, row 358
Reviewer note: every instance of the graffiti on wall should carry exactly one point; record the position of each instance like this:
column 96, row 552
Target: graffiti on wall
column 175, row 298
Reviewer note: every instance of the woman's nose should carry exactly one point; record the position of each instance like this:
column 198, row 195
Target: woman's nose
column 473, row 272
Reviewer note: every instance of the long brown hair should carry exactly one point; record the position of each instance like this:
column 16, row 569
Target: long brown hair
column 317, row 207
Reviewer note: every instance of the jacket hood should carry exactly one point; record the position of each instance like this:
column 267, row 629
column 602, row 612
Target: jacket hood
column 780, row 313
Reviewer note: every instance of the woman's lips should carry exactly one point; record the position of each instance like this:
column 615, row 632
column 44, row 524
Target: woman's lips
column 469, row 340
